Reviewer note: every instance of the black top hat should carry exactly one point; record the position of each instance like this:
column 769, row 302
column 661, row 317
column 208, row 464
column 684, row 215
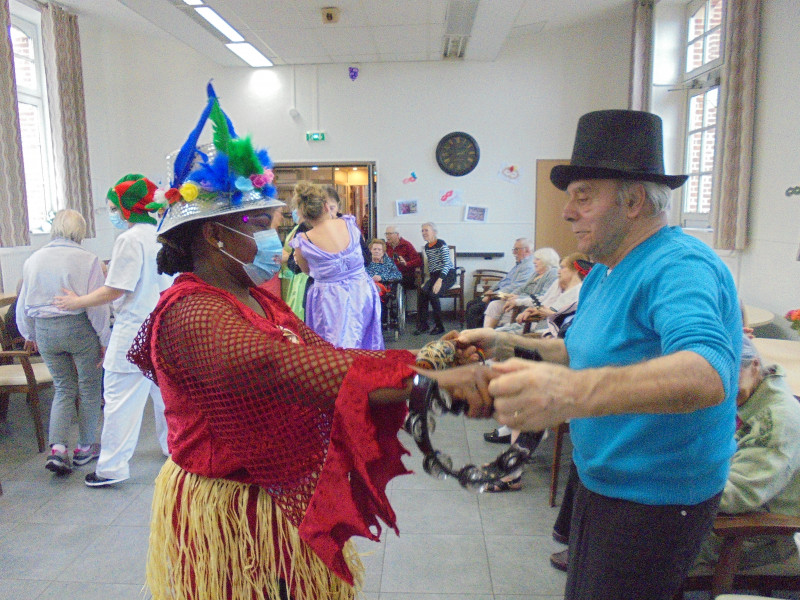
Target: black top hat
column 617, row 144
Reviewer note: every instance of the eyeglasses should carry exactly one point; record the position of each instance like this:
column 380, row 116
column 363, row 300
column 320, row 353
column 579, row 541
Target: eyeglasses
column 515, row 249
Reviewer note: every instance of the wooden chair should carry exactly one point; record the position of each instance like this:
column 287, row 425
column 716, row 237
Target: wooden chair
column 18, row 375
column 483, row 279
column 555, row 467
column 456, row 291
column 726, row 577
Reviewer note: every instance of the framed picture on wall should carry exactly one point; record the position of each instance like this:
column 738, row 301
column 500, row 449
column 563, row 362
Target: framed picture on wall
column 407, row 207
column 476, row 214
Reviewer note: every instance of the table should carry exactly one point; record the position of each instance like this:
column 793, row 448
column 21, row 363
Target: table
column 784, row 352
column 756, row 317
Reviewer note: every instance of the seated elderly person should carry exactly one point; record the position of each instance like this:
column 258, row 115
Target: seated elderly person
column 765, row 470
column 405, row 256
column 381, row 267
column 512, row 283
column 382, row 270
column 545, row 265
column 562, row 296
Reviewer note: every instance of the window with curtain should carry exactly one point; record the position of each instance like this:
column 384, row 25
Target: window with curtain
column 703, row 62
column 34, row 123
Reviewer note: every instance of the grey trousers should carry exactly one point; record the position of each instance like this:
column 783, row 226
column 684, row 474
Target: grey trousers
column 71, row 350
column 621, row 550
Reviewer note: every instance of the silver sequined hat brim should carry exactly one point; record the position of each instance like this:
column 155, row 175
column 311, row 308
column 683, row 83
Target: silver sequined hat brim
column 182, row 212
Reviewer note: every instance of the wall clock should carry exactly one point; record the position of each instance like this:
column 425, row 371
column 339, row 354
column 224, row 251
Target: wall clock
column 457, row 153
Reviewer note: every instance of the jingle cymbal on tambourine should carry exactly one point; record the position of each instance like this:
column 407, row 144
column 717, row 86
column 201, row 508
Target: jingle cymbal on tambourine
column 427, row 399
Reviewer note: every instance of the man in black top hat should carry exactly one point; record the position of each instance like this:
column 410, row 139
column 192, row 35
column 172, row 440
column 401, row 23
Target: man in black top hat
column 647, row 373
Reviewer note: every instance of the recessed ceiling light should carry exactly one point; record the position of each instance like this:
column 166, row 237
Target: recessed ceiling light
column 249, row 54
column 193, row 2
column 220, row 24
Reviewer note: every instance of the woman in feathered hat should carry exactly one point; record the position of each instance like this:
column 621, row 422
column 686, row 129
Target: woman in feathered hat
column 282, row 444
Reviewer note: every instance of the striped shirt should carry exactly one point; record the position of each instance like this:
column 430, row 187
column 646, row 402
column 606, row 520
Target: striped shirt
column 439, row 261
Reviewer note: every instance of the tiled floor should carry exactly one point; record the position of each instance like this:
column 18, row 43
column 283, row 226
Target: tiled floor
column 60, row 540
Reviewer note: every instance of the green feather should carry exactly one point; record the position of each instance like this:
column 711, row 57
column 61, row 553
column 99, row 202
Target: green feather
column 222, row 136
column 242, row 158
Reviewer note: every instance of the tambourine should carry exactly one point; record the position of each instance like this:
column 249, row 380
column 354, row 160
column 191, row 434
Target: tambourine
column 427, row 400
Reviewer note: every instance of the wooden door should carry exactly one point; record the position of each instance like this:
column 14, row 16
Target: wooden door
column 551, row 228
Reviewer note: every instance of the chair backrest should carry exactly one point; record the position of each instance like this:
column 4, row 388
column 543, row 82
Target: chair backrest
column 483, row 278
column 459, row 282
column 6, row 340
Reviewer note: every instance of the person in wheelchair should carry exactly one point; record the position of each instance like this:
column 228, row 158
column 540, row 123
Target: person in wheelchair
column 384, row 273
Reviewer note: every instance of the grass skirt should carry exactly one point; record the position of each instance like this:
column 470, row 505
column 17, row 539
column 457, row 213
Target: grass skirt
column 219, row 539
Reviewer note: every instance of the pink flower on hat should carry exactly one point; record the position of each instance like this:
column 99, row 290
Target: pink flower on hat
column 259, row 180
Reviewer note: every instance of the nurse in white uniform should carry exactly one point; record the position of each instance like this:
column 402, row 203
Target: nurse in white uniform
column 133, row 285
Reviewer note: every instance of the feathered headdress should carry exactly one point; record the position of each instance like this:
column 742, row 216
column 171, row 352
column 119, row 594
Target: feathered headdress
column 231, row 177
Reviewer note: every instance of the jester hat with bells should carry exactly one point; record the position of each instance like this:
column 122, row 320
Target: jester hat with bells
column 133, row 195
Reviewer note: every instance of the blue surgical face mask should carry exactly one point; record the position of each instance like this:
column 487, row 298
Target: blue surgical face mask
column 116, row 219
column 295, row 216
column 267, row 260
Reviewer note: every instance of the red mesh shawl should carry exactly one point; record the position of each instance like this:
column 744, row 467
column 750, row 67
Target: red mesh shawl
column 248, row 401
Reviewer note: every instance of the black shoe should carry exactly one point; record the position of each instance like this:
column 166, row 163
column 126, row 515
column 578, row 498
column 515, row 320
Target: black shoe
column 560, row 537
column 420, row 330
column 494, row 437
column 94, row 480
column 436, row 330
column 560, row 560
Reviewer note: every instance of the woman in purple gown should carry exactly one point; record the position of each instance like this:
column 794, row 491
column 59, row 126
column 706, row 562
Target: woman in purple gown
column 343, row 305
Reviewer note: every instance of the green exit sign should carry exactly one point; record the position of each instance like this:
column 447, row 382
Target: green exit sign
column 315, row 136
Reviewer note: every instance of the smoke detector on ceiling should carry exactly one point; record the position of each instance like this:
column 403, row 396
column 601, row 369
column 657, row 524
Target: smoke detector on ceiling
column 330, row 14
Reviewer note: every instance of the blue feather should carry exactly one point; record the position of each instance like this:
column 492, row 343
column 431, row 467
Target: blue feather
column 213, row 176
column 185, row 158
column 264, row 159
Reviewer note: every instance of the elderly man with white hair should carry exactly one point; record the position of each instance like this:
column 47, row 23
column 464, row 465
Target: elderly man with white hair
column 647, row 374
column 404, row 255
column 512, row 283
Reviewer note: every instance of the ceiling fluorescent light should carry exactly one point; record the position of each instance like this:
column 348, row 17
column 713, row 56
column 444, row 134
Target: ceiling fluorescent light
column 220, row 24
column 250, row 55
column 193, row 2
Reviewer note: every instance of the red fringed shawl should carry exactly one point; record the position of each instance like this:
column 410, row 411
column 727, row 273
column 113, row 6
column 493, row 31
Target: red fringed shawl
column 246, row 402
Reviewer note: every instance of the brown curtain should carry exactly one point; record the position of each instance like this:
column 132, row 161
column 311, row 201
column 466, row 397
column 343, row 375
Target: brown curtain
column 62, row 58
column 641, row 79
column 734, row 144
column 13, row 200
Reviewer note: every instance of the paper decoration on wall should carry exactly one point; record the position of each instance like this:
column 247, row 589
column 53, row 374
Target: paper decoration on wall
column 353, row 71
column 407, row 207
column 476, row 214
column 509, row 173
column 450, row 198
column 411, row 178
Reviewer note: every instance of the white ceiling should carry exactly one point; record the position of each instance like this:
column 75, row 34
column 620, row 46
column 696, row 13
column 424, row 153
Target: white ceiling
column 293, row 31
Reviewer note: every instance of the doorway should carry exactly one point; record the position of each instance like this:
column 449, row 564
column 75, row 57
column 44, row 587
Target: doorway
column 356, row 183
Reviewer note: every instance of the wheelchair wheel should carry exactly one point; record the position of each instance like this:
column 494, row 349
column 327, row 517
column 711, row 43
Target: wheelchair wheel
column 400, row 307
